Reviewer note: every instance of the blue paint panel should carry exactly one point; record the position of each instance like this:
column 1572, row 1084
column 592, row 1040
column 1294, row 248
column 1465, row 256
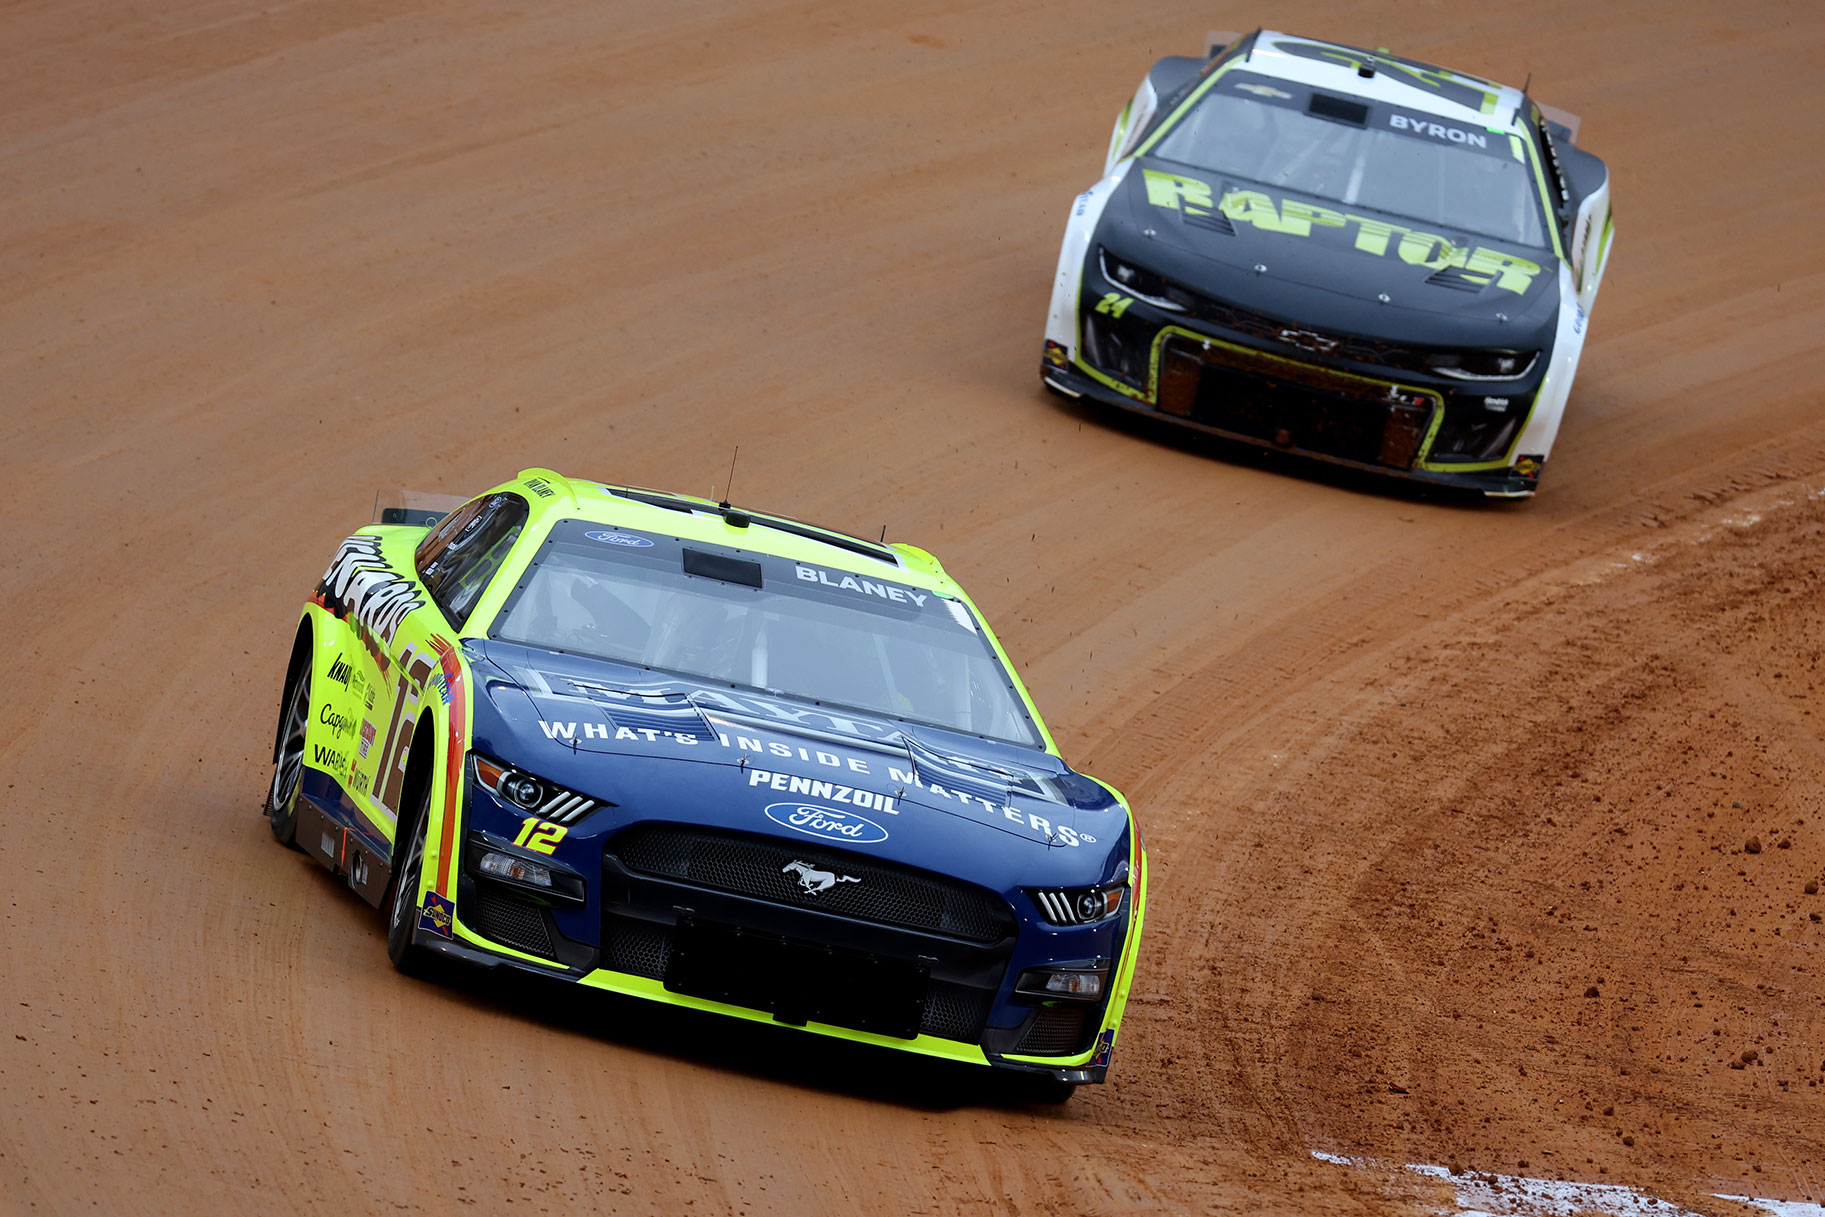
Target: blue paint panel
column 327, row 795
column 993, row 814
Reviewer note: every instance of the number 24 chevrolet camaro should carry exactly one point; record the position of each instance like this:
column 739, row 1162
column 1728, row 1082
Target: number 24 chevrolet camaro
column 708, row 757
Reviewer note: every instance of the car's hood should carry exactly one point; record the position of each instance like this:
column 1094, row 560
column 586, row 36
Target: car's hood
column 1329, row 266
column 659, row 746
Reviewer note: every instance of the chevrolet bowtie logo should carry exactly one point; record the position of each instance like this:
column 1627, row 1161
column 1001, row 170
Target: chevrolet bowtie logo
column 1305, row 340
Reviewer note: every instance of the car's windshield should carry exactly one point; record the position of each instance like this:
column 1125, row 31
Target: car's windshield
column 763, row 622
column 1393, row 161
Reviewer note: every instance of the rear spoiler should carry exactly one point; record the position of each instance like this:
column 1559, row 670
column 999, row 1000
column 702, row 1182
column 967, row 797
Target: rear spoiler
column 1564, row 123
column 414, row 508
column 1216, row 40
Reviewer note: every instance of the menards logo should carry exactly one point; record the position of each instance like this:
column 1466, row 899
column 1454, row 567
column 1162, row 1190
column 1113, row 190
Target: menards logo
column 1295, row 218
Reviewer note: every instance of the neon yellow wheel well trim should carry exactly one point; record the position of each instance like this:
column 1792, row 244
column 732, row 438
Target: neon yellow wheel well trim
column 468, row 935
column 641, row 986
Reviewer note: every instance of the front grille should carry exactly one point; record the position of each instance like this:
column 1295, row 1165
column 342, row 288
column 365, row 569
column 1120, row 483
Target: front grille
column 1056, row 1031
column 640, row 948
column 644, row 948
column 513, row 922
column 955, row 1012
column 764, row 868
column 1292, row 405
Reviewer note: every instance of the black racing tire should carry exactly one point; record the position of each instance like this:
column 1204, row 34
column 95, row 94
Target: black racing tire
column 288, row 752
column 402, row 893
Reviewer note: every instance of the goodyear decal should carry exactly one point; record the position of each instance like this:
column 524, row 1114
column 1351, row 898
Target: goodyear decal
column 1380, row 238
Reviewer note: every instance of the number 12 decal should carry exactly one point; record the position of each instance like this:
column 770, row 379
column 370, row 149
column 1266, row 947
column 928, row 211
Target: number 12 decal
column 540, row 836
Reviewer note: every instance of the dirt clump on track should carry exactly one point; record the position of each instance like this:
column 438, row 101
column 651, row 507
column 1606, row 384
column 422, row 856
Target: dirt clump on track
column 1481, row 832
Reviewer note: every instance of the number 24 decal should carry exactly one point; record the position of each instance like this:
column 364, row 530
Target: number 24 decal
column 540, row 837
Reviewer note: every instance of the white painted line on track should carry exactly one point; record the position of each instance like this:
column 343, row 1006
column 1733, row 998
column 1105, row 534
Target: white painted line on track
column 1485, row 1195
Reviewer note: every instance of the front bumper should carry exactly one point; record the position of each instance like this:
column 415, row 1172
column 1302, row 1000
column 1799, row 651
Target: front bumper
column 765, row 961
column 1241, row 388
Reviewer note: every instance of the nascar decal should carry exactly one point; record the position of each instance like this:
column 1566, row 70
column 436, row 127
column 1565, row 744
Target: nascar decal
column 1293, row 217
column 361, row 586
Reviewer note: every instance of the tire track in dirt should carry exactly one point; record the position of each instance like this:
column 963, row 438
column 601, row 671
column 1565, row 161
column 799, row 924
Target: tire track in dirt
column 265, row 262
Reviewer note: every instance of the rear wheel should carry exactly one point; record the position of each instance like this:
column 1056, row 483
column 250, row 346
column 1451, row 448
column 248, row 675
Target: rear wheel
column 288, row 761
column 402, row 909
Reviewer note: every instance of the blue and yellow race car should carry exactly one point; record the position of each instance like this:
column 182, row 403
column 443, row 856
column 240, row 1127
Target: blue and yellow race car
column 709, row 757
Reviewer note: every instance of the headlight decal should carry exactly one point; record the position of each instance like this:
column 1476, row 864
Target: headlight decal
column 533, row 795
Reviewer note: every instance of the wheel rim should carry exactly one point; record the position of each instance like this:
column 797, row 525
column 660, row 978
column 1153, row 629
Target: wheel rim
column 407, row 894
column 289, row 772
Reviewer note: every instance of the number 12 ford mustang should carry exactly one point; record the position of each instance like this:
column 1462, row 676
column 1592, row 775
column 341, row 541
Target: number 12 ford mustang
column 712, row 758
column 1340, row 253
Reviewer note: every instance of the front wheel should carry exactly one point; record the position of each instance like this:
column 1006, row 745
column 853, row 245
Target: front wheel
column 288, row 757
column 402, row 909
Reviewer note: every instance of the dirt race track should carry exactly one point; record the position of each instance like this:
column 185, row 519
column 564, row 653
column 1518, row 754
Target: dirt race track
column 1481, row 833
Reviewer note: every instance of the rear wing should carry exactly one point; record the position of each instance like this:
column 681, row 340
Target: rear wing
column 1564, row 123
column 1216, row 40
column 416, row 508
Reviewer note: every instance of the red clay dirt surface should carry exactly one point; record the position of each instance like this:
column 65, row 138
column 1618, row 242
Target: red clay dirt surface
column 1484, row 835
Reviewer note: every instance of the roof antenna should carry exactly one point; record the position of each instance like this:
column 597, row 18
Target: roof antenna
column 1527, row 82
column 725, row 486
column 731, row 517
column 883, row 534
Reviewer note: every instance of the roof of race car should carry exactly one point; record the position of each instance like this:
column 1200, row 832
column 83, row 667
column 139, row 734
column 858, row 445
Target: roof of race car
column 1390, row 78
column 554, row 496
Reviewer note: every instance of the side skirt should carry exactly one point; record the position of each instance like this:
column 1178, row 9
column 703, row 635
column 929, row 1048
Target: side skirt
column 338, row 848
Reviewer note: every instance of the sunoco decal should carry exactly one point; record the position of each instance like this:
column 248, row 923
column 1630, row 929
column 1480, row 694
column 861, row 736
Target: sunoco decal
column 1295, row 218
column 826, row 822
column 437, row 914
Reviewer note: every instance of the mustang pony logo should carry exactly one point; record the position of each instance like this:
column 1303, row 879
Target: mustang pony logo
column 814, row 882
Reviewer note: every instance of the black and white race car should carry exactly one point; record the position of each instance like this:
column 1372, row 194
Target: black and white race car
column 1340, row 253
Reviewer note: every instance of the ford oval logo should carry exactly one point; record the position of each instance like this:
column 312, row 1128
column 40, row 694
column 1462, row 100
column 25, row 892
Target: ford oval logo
column 620, row 538
column 826, row 822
